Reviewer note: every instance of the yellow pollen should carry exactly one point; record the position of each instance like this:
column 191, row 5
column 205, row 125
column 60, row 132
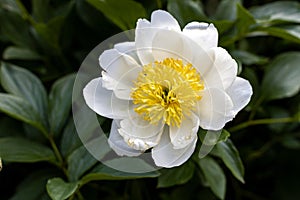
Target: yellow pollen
column 167, row 90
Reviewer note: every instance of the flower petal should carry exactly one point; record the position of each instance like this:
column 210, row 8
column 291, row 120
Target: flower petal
column 240, row 93
column 171, row 44
column 145, row 32
column 139, row 133
column 223, row 69
column 127, row 48
column 163, row 19
column 205, row 35
column 214, row 109
column 104, row 102
column 186, row 133
column 117, row 143
column 117, row 65
column 164, row 154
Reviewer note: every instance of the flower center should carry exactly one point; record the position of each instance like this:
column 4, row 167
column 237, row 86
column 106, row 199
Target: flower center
column 167, row 90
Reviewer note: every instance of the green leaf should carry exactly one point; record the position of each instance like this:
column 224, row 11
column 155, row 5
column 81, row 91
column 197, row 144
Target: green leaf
column 277, row 12
column 33, row 186
column 287, row 32
column 290, row 142
column 15, row 28
column 186, row 11
column 227, row 10
column 23, row 150
column 176, row 176
column 60, row 99
column 26, row 85
column 244, row 20
column 116, row 11
column 70, row 139
column 20, row 53
column 20, row 109
column 248, row 58
column 214, row 175
column 103, row 172
column 213, row 137
column 231, row 158
column 281, row 78
column 60, row 190
column 82, row 160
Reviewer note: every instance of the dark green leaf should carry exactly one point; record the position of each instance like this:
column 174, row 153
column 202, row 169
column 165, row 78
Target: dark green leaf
column 33, row 187
column 22, row 150
column 248, row 58
column 186, row 11
column 115, row 10
column 41, row 10
column 282, row 77
column 60, row 190
column 213, row 137
column 82, row 160
column 290, row 142
column 227, row 10
column 60, row 99
column 103, row 172
column 20, row 53
column 244, row 20
column 176, row 176
column 15, row 28
column 26, row 85
column 70, row 139
column 20, row 109
column 231, row 158
column 214, row 175
column 277, row 12
column 287, row 32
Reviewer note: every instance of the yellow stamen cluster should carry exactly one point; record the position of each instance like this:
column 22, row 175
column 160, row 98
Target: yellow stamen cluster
column 167, row 90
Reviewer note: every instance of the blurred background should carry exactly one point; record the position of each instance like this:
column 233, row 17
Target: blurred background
column 51, row 38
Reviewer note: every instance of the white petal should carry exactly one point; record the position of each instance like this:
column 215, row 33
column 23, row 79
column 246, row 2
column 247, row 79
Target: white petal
column 117, row 65
column 171, row 44
column 205, row 35
column 186, row 133
column 240, row 93
column 139, row 133
column 214, row 109
column 127, row 48
column 164, row 154
column 145, row 32
column 163, row 19
column 117, row 143
column 223, row 69
column 104, row 102
column 143, row 41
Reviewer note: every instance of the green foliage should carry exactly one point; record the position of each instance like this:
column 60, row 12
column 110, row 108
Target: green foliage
column 42, row 43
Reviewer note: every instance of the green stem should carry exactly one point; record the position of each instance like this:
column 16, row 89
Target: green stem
column 262, row 121
column 55, row 149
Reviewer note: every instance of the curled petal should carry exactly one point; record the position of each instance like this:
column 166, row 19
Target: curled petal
column 117, row 143
column 214, row 109
column 186, row 133
column 205, row 35
column 240, row 93
column 165, row 155
column 140, row 134
column 104, row 102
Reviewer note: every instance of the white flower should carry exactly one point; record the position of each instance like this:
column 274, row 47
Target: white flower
column 160, row 88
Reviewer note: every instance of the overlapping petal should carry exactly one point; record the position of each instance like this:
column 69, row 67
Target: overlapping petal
column 165, row 155
column 104, row 102
column 204, row 34
column 139, row 133
column 117, row 143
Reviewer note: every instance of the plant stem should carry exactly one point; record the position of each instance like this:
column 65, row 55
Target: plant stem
column 262, row 121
